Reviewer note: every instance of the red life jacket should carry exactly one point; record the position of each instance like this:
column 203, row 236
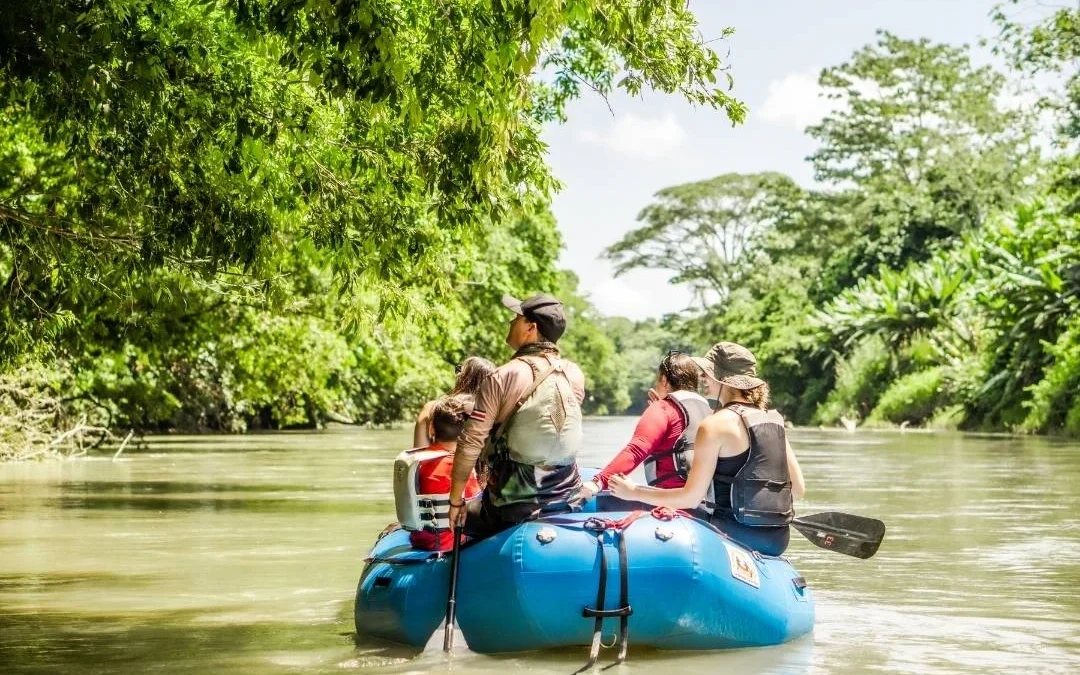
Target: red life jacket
column 433, row 478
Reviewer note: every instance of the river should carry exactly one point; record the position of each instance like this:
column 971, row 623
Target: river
column 241, row 555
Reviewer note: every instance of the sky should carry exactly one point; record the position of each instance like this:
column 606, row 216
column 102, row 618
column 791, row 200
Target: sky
column 611, row 162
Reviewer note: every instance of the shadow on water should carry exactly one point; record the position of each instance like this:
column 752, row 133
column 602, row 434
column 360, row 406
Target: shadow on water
column 150, row 502
column 168, row 487
column 36, row 583
column 179, row 496
column 270, row 441
column 165, row 642
column 368, row 645
column 794, row 658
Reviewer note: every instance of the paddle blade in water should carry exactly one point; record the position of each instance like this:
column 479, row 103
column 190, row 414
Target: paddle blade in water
column 842, row 532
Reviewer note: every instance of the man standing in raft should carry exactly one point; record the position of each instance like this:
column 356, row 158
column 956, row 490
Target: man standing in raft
column 527, row 422
column 742, row 454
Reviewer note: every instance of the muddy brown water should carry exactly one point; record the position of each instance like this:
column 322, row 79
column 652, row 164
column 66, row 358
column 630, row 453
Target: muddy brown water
column 241, row 555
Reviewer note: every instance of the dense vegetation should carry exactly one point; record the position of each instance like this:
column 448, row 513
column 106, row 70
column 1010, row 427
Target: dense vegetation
column 238, row 214
column 226, row 214
column 935, row 277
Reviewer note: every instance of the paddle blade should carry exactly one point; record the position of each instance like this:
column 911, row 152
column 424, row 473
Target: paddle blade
column 842, row 532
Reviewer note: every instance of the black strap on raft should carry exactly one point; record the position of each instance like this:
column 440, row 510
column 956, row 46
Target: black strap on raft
column 598, row 612
column 624, row 600
column 600, row 526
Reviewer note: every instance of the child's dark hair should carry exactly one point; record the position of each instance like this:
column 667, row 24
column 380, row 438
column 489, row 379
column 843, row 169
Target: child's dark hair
column 448, row 416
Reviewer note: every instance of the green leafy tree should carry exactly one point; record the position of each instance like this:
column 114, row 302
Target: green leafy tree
column 699, row 231
column 235, row 213
column 588, row 344
column 921, row 134
column 208, row 135
column 770, row 313
column 1051, row 46
column 641, row 346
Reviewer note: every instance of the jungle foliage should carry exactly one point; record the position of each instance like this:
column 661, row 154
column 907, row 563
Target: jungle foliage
column 225, row 214
column 934, row 278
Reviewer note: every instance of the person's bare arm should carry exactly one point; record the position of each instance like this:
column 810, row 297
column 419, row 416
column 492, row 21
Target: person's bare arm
column 420, row 438
column 715, row 431
column 798, row 485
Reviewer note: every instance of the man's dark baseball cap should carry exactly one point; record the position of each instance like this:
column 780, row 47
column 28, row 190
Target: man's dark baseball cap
column 542, row 309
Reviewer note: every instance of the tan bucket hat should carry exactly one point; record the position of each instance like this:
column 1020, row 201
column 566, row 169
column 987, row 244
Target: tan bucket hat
column 704, row 364
column 734, row 365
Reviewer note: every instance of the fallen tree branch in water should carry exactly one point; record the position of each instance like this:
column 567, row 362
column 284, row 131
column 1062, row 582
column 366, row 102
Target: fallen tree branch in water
column 36, row 424
column 124, row 444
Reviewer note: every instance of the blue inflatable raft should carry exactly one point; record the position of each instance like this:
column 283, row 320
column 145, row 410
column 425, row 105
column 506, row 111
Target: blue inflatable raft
column 536, row 586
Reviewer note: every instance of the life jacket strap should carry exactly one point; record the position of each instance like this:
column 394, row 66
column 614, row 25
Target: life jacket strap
column 435, row 510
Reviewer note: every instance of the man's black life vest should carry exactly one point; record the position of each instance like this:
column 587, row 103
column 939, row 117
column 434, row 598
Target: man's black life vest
column 693, row 408
column 759, row 494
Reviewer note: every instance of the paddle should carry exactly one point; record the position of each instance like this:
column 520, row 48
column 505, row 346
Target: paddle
column 842, row 532
column 451, row 601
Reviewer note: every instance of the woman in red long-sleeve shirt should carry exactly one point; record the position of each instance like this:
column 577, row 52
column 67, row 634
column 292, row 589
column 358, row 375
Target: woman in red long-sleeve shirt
column 664, row 436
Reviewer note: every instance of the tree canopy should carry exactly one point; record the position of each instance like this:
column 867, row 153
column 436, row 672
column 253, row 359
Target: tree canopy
column 700, row 231
column 928, row 141
column 224, row 213
column 213, row 135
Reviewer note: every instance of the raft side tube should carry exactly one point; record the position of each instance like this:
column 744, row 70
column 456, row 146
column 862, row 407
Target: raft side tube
column 397, row 598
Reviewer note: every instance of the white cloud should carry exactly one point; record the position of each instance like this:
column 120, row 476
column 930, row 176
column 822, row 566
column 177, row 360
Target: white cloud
column 638, row 295
column 796, row 101
column 635, row 136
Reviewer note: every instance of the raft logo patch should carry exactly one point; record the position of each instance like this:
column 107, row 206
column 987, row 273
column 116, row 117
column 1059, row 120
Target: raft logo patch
column 743, row 567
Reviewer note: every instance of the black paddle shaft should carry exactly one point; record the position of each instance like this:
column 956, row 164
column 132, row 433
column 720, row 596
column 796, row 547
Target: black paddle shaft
column 451, row 600
column 845, row 533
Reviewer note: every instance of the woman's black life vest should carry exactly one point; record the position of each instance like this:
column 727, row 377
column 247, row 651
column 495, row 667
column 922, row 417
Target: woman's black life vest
column 693, row 408
column 759, row 494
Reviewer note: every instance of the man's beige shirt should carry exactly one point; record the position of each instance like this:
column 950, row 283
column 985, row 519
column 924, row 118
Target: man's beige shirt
column 496, row 399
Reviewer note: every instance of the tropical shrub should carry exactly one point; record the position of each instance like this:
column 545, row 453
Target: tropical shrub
column 925, row 300
column 914, row 398
column 1054, row 403
column 1030, row 287
column 859, row 376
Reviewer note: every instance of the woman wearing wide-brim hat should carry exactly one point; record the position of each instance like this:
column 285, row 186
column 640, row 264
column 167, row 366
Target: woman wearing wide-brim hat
column 741, row 452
